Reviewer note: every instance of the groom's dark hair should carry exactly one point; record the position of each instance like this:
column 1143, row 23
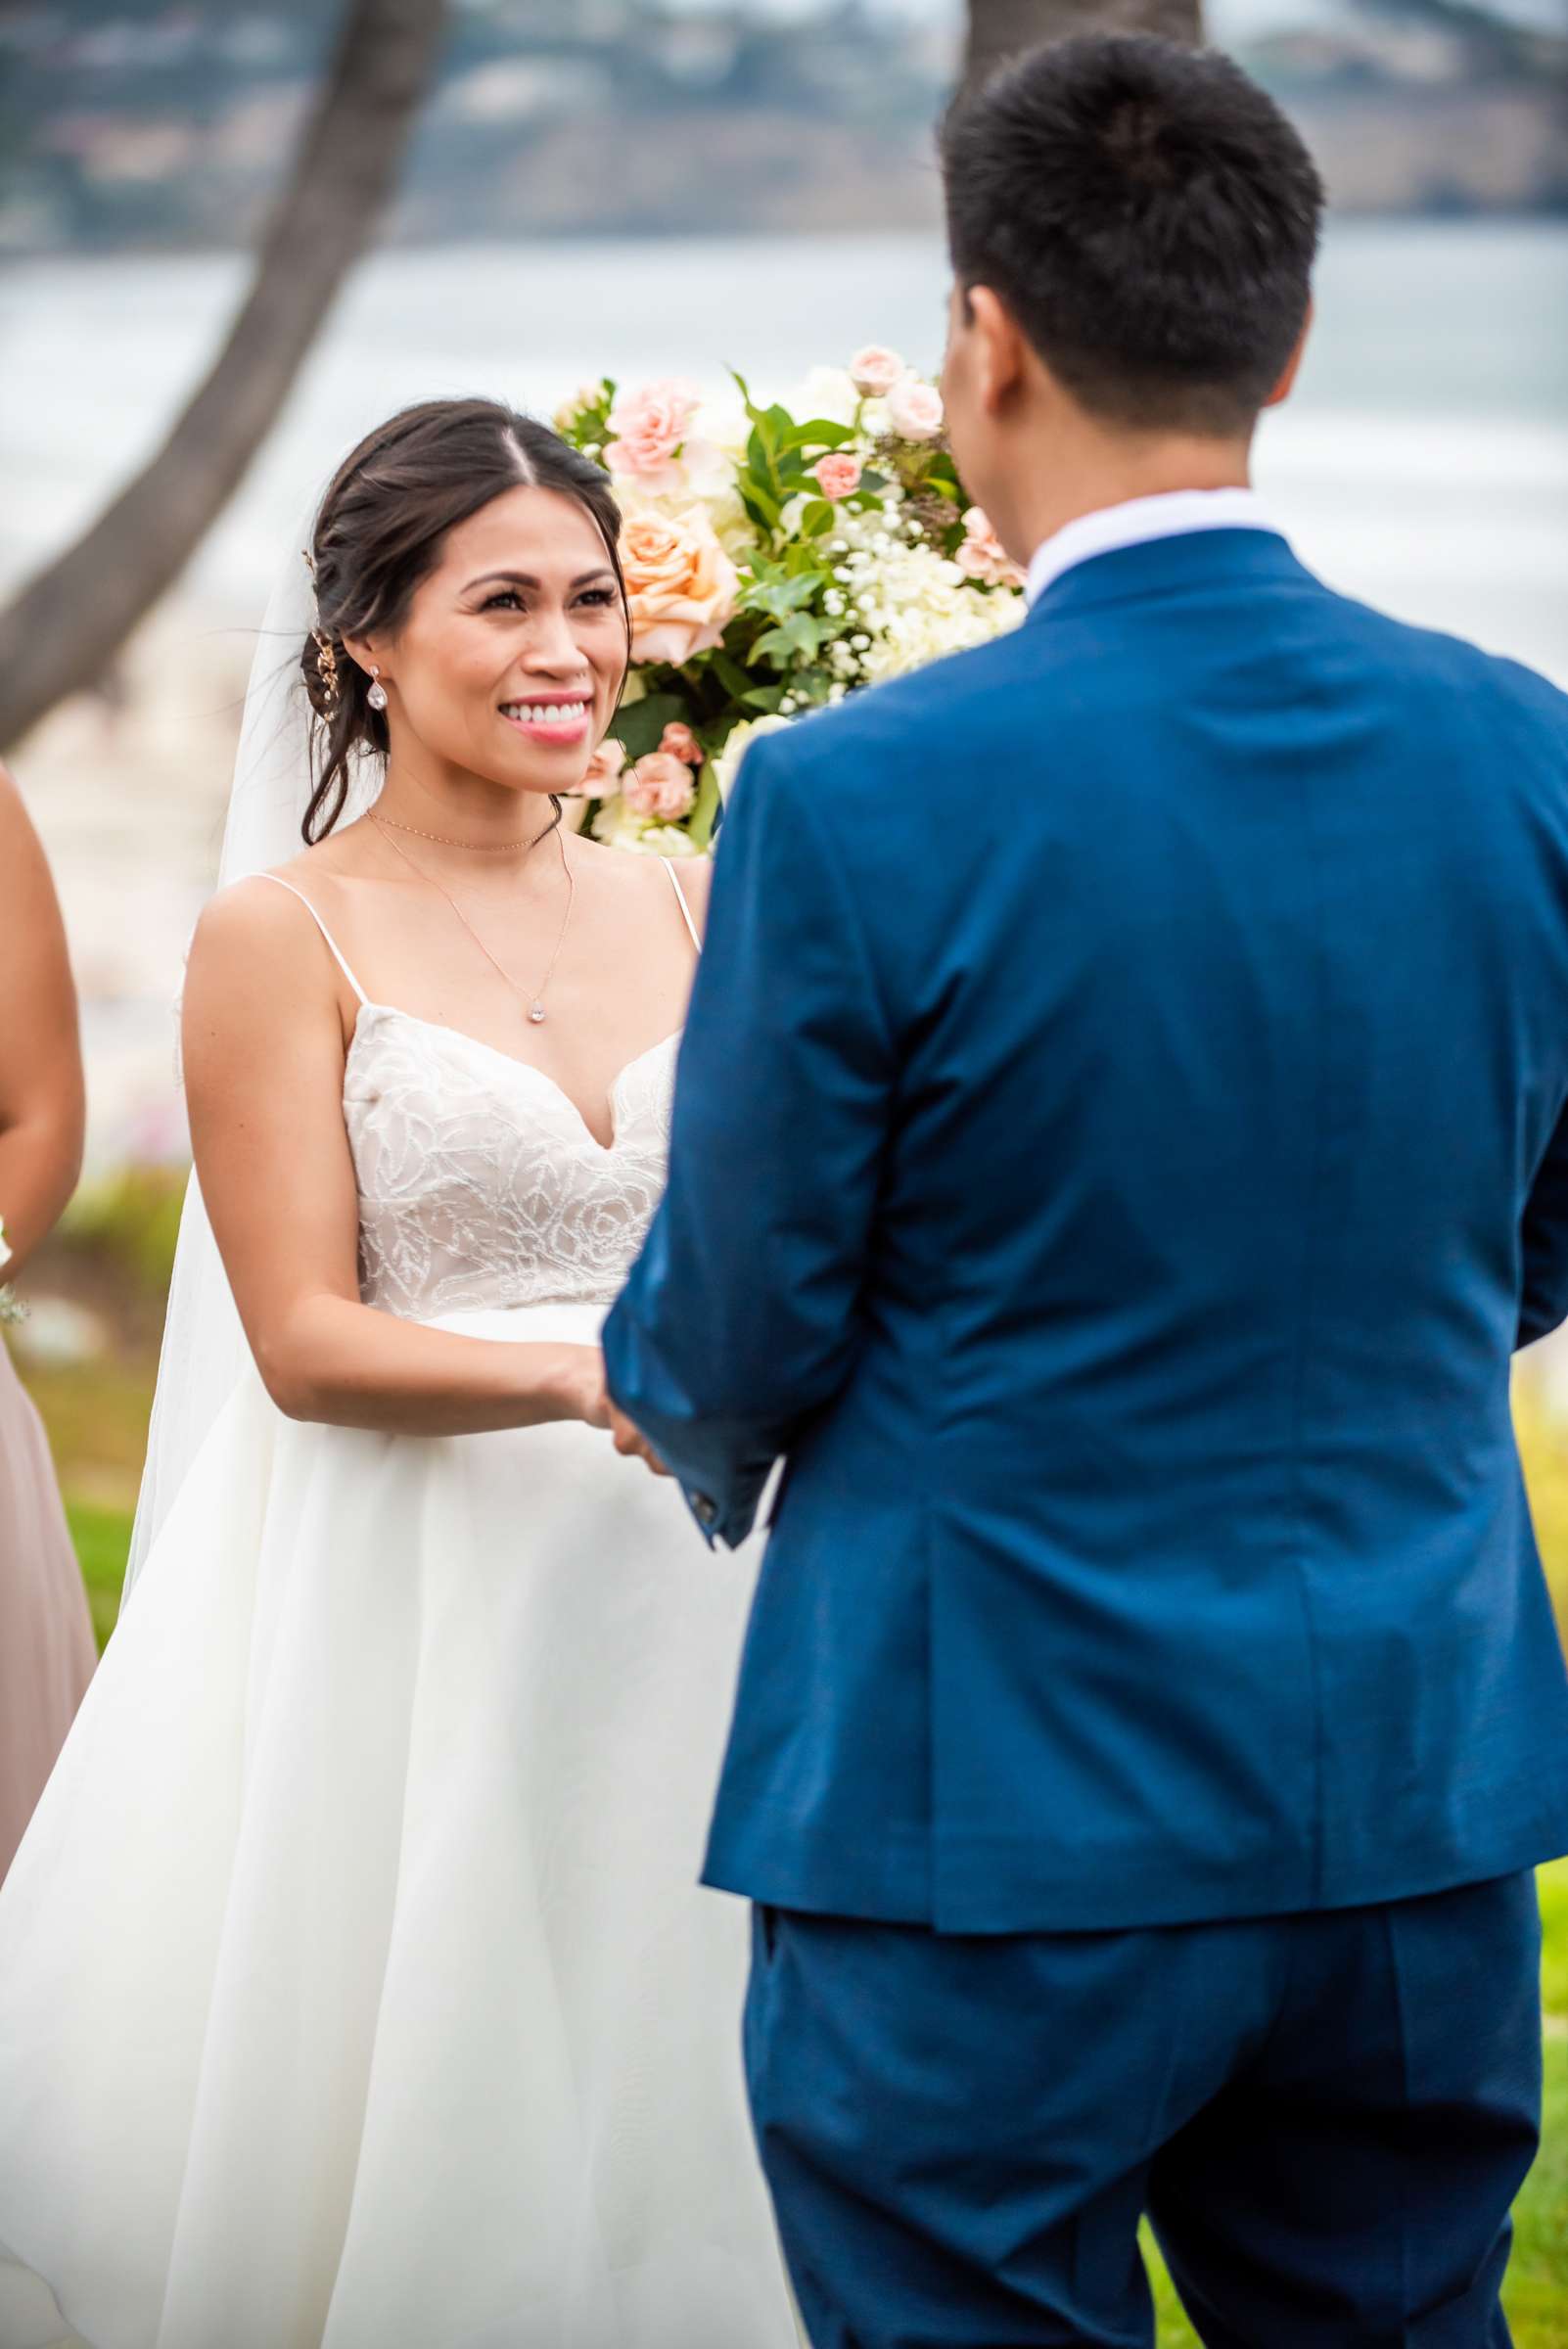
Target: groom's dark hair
column 1149, row 217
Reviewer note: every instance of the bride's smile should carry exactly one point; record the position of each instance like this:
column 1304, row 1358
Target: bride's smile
column 548, row 721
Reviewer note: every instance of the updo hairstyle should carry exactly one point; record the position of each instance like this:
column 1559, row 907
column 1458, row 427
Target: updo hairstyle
column 380, row 532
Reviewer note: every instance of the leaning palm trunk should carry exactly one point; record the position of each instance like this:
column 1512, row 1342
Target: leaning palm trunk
column 69, row 621
column 1000, row 28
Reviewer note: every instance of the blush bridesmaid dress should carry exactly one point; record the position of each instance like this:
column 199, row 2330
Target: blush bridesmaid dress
column 47, row 1651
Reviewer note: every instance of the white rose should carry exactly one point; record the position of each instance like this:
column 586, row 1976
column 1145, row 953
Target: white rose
column 828, row 393
column 722, row 425
column 668, row 839
column 620, row 826
column 727, row 765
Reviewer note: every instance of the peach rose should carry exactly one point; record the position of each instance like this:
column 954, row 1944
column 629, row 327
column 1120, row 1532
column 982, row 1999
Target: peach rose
column 875, row 370
column 679, row 742
column 914, row 409
column 660, row 786
column 603, row 778
column 983, row 556
column 680, row 586
column 649, row 427
column 837, row 474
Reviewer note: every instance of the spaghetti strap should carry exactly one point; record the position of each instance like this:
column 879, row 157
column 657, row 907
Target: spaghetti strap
column 333, row 946
column 686, row 908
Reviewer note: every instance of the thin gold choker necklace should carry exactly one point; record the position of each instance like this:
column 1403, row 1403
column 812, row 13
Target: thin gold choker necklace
column 481, row 848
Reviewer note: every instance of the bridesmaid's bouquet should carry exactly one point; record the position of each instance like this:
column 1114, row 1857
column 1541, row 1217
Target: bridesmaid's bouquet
column 776, row 559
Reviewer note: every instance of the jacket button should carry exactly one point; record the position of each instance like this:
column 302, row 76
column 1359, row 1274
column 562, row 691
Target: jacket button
column 707, row 1510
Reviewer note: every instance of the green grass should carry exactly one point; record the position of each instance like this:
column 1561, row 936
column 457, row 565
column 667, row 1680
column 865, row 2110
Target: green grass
column 1536, row 2293
column 1553, row 1883
column 1538, row 2279
column 102, row 1542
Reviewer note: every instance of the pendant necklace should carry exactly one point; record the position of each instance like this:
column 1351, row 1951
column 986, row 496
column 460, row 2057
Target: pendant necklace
column 534, row 1004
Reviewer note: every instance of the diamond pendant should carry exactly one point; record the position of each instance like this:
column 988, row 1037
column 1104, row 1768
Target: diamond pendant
column 535, row 1013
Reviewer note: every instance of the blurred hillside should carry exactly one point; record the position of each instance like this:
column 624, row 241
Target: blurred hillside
column 139, row 125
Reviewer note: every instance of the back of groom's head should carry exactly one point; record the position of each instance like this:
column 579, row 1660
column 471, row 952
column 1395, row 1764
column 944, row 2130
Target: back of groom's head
column 1150, row 219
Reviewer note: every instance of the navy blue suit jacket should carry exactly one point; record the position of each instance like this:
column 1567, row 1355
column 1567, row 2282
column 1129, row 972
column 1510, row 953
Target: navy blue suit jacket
column 1120, row 1139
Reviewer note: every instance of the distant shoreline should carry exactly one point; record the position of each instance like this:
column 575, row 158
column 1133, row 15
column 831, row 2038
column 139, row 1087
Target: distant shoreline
column 1456, row 214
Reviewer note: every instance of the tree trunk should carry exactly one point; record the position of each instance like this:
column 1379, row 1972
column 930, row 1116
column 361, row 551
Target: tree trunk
column 1000, row 28
column 67, row 625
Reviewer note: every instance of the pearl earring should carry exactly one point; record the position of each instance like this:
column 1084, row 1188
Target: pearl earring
column 377, row 696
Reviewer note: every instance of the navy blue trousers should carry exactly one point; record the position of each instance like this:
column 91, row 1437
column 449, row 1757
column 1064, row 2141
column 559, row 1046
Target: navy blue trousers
column 1326, row 2117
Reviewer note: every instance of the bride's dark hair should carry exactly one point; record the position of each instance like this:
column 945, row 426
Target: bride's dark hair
column 380, row 532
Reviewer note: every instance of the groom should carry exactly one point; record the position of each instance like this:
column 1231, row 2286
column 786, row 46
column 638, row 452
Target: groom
column 1120, row 1143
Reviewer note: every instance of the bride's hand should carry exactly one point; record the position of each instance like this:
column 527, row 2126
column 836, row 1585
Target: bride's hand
column 581, row 1386
column 631, row 1444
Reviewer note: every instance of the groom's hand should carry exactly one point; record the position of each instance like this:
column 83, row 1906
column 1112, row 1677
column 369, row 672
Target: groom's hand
column 632, row 1445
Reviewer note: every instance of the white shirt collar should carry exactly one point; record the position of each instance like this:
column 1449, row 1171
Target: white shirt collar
column 1142, row 518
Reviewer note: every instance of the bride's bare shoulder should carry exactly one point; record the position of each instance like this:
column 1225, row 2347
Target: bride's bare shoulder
column 695, row 875
column 252, row 933
column 255, row 915
column 633, row 876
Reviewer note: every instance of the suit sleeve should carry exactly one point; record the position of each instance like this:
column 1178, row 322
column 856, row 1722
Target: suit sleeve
column 1543, row 1288
column 742, row 1317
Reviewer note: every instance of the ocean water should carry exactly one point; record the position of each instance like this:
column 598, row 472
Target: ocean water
column 1423, row 461
column 1422, row 464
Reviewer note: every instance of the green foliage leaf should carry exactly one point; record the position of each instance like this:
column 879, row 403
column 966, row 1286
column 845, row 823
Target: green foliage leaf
column 778, row 593
column 639, row 728
column 705, row 810
column 818, row 434
column 760, row 503
column 799, row 637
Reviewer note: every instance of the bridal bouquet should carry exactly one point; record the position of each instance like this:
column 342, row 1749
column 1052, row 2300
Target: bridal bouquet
column 774, row 563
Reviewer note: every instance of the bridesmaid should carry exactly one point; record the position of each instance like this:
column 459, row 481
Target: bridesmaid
column 46, row 1639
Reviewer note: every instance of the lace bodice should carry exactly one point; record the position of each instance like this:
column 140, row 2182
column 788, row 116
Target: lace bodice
column 480, row 1184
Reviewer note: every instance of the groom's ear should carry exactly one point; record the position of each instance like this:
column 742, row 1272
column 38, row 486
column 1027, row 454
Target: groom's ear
column 1292, row 367
column 998, row 348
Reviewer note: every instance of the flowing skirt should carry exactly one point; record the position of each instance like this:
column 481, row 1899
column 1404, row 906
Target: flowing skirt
column 357, row 1990
column 46, row 1635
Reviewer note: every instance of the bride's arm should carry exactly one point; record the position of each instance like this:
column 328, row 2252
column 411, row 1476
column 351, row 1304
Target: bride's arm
column 41, row 1106
column 263, row 1053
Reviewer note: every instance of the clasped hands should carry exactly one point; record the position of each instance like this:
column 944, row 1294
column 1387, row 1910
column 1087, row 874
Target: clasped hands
column 589, row 1400
column 630, row 1443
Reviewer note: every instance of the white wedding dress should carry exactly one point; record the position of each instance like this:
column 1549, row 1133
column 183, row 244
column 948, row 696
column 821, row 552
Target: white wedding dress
column 357, row 1990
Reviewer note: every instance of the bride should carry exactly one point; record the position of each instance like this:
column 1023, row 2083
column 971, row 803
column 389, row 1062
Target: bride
column 355, row 1986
